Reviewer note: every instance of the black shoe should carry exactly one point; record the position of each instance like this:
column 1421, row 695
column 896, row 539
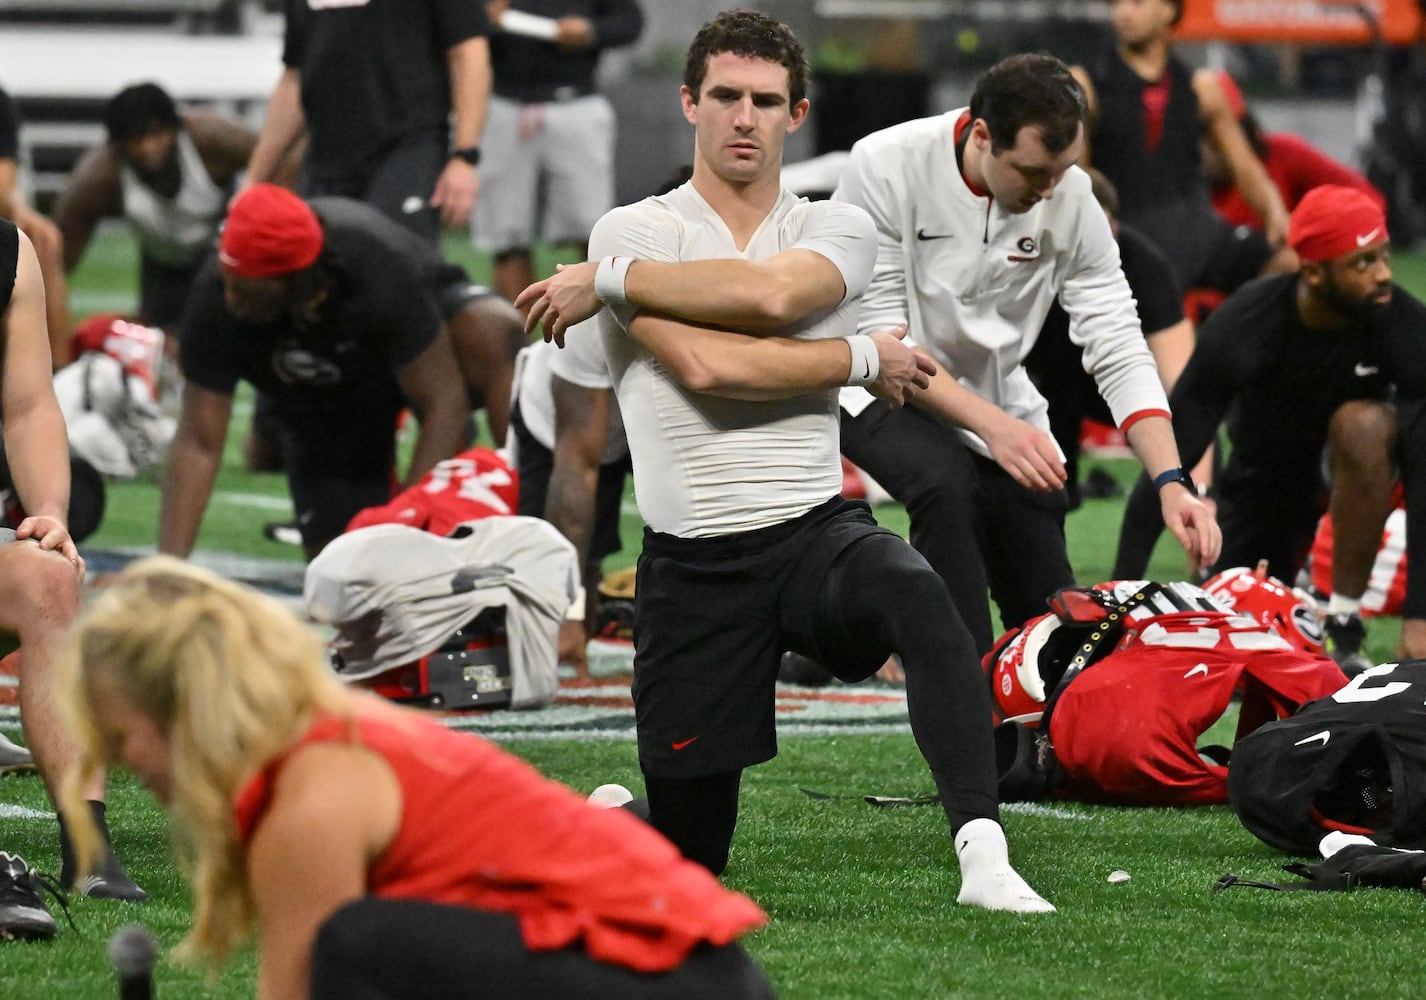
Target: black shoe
column 1100, row 485
column 1345, row 635
column 112, row 882
column 23, row 913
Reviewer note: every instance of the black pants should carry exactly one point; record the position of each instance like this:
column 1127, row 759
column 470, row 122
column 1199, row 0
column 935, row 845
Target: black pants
column 399, row 184
column 380, row 949
column 974, row 524
column 713, row 617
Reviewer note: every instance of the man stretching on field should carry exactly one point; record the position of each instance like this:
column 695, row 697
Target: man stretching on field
column 749, row 550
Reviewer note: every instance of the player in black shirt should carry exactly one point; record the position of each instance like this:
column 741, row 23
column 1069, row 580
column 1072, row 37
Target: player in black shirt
column 1149, row 112
column 1297, row 363
column 335, row 314
column 1057, row 365
column 373, row 84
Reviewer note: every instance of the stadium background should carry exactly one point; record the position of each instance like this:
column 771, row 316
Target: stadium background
column 861, row 899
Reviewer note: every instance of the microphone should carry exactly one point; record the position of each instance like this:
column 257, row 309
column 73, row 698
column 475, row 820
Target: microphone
column 132, row 951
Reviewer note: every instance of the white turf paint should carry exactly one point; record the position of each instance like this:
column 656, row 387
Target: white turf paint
column 11, row 811
column 259, row 500
column 1044, row 812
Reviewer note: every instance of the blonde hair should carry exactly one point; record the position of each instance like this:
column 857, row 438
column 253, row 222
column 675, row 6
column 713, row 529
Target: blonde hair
column 232, row 677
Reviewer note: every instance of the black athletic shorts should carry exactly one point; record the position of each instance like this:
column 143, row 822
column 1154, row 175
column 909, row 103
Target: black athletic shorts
column 455, row 290
column 336, row 465
column 1237, row 257
column 399, row 183
column 713, row 617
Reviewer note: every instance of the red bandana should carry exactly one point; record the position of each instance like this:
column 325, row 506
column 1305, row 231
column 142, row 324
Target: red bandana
column 270, row 231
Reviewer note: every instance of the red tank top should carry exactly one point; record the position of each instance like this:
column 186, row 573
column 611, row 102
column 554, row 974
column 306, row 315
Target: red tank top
column 481, row 828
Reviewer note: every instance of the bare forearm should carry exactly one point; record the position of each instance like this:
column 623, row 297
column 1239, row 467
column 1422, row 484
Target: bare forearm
column 953, row 402
column 37, row 453
column 284, row 125
column 569, row 506
column 445, row 430
column 187, row 486
column 754, row 295
column 469, row 64
column 752, row 368
column 1153, row 442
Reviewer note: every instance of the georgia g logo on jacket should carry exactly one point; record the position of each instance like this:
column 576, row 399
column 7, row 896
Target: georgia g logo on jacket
column 1028, row 247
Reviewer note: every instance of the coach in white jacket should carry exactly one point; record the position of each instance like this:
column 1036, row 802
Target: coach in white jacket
column 982, row 220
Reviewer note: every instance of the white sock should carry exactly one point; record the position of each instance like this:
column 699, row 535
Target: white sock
column 1337, row 604
column 987, row 880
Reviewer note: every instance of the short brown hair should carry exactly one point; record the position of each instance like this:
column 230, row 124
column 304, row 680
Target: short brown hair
column 751, row 34
column 1034, row 90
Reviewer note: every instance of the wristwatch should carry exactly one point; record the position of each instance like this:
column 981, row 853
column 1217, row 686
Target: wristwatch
column 470, row 154
column 1175, row 476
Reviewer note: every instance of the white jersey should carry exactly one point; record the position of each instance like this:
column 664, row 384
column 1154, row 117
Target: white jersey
column 581, row 362
column 175, row 231
column 973, row 282
column 706, row 465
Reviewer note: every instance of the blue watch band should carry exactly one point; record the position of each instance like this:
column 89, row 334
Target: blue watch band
column 1174, row 476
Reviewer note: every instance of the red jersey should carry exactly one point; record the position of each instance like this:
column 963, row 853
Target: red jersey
column 1126, row 728
column 476, row 483
column 483, row 829
column 1296, row 167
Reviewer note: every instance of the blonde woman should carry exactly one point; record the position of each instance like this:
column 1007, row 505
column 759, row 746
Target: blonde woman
column 373, row 852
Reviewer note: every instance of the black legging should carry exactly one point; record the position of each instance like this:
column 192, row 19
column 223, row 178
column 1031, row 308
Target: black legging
column 880, row 596
column 976, row 526
column 383, row 949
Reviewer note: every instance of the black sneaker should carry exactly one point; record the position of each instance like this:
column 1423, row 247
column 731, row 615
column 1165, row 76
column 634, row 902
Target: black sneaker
column 23, row 913
column 111, row 882
column 1345, row 635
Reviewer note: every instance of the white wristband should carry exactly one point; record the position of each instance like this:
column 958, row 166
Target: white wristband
column 866, row 362
column 609, row 279
column 575, row 613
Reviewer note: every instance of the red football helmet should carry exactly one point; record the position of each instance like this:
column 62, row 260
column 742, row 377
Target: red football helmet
column 1022, row 671
column 1271, row 602
column 137, row 347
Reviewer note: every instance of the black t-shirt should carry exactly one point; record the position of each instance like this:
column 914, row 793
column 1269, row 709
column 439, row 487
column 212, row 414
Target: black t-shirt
column 9, row 128
column 373, row 73
column 1278, row 383
column 534, row 69
column 1057, row 365
column 379, row 314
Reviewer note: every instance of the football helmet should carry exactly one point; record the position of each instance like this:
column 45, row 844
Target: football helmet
column 1266, row 599
column 1023, row 668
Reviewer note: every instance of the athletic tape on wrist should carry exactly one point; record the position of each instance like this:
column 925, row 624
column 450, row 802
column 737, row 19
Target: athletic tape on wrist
column 866, row 362
column 575, row 612
column 609, row 279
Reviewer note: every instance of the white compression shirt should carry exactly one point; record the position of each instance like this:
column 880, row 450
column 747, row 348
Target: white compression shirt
column 706, row 465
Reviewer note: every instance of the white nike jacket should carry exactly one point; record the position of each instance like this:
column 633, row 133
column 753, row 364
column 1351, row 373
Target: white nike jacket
column 973, row 282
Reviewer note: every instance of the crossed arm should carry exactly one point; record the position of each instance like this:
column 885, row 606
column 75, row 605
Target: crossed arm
column 682, row 307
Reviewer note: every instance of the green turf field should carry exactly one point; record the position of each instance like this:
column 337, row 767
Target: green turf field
column 861, row 900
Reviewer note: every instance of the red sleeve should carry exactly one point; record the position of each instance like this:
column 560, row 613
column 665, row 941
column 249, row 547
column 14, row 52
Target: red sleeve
column 1297, row 166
